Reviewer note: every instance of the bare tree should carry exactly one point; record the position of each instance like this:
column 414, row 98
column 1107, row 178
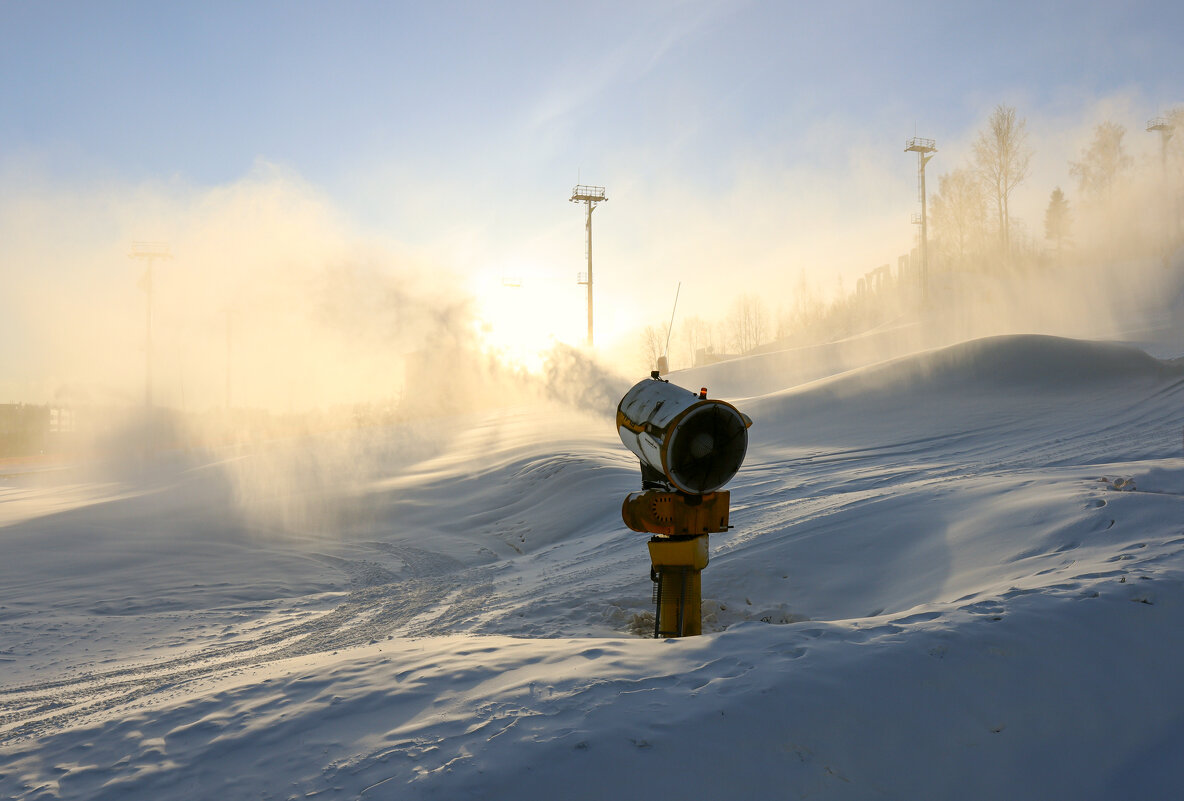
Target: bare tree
column 747, row 323
column 783, row 324
column 806, row 308
column 959, row 211
column 1003, row 158
column 653, row 344
column 696, row 336
column 1102, row 163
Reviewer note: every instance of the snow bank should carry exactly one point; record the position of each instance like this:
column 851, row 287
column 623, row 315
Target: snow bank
column 955, row 573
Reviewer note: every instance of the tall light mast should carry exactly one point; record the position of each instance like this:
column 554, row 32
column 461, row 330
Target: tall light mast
column 924, row 148
column 148, row 252
column 1164, row 128
column 590, row 196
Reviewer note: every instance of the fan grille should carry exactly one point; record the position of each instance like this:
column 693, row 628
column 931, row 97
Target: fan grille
column 707, row 448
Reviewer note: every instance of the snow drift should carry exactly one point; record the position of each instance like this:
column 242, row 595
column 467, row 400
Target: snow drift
column 954, row 573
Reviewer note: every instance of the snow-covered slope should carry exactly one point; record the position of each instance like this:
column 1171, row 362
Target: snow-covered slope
column 957, row 573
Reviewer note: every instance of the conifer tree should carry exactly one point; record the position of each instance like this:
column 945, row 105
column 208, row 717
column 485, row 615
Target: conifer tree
column 1057, row 220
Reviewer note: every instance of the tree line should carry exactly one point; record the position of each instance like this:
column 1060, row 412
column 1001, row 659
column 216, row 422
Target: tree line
column 973, row 227
column 1116, row 210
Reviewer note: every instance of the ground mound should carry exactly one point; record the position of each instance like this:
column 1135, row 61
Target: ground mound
column 1029, row 364
column 1030, row 360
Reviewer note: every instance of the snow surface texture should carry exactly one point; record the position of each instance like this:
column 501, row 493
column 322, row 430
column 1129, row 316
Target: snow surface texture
column 957, row 574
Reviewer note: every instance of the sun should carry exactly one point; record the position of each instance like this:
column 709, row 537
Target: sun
column 522, row 314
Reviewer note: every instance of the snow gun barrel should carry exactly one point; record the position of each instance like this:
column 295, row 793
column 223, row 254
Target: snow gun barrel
column 685, row 441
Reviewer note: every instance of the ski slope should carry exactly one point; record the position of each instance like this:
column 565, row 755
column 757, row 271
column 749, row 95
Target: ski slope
column 956, row 573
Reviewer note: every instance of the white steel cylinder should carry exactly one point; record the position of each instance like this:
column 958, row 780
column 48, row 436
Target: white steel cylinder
column 694, row 443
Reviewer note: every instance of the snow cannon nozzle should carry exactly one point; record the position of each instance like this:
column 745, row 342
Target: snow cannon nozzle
column 693, row 444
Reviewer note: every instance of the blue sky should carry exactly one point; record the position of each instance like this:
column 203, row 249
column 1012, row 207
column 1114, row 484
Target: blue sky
column 765, row 134
column 203, row 89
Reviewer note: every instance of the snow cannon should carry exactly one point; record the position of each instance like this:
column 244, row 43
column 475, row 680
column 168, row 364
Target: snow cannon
column 689, row 447
column 684, row 440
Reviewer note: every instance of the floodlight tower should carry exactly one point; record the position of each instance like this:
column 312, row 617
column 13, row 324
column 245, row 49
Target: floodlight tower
column 924, row 148
column 148, row 252
column 590, row 196
column 1165, row 129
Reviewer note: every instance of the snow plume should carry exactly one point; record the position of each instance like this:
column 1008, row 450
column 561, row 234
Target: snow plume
column 265, row 282
column 282, row 342
column 346, row 476
column 573, row 378
column 309, row 363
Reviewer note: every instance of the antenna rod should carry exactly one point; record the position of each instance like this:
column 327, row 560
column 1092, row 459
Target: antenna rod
column 670, row 328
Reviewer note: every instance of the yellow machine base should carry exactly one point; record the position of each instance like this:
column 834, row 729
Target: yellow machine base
column 678, row 595
column 675, row 514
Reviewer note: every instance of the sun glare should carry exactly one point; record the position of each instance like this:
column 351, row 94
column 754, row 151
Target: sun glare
column 522, row 314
